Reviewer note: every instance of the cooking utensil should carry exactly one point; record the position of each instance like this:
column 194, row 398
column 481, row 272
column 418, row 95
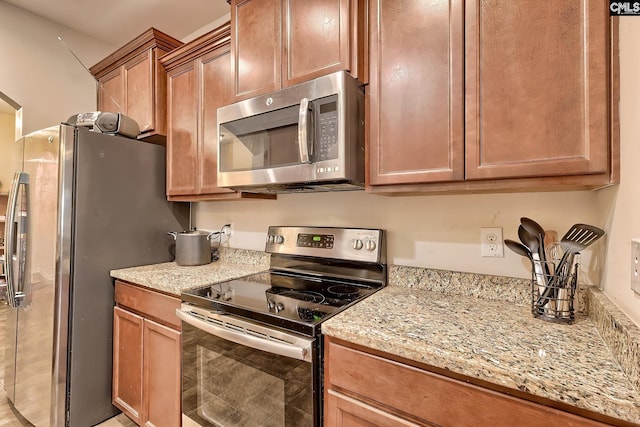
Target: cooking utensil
column 193, row 247
column 521, row 249
column 532, row 242
column 579, row 237
column 518, row 248
column 552, row 249
column 536, row 229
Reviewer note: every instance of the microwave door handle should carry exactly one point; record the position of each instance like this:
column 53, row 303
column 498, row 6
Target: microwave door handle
column 303, row 146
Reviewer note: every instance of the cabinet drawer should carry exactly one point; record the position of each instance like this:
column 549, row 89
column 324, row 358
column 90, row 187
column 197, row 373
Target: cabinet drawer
column 150, row 304
column 431, row 397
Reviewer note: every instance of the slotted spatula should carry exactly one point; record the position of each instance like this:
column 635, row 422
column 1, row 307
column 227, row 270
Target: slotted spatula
column 579, row 237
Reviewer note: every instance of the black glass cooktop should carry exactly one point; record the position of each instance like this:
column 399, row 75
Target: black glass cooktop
column 293, row 302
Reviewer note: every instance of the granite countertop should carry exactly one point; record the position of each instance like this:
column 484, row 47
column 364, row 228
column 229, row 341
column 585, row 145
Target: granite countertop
column 172, row 278
column 474, row 325
column 492, row 340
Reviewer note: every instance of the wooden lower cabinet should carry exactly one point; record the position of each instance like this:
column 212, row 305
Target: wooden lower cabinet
column 146, row 357
column 365, row 389
column 345, row 411
column 161, row 386
column 127, row 363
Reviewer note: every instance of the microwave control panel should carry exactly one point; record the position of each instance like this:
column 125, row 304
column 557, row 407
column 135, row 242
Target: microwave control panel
column 327, row 128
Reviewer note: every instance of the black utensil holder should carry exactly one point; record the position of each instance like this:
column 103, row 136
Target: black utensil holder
column 555, row 303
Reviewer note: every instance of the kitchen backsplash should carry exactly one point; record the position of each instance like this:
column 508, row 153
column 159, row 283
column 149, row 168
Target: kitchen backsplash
column 439, row 232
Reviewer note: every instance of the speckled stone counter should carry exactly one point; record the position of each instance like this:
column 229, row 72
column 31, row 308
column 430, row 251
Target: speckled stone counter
column 476, row 329
column 171, row 278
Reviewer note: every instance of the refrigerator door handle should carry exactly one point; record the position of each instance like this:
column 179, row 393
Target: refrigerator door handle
column 15, row 253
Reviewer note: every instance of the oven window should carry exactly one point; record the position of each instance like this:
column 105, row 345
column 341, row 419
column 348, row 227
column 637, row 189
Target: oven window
column 227, row 384
column 260, row 142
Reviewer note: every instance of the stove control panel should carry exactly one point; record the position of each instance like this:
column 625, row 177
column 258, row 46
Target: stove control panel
column 356, row 244
column 324, row 241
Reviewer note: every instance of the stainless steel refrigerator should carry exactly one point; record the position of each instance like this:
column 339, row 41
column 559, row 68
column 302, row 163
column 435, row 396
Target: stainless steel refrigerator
column 81, row 204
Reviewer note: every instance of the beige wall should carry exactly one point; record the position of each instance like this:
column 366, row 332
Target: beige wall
column 620, row 206
column 209, row 27
column 443, row 231
column 40, row 74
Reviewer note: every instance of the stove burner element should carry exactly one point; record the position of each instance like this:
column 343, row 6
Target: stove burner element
column 309, row 314
column 309, row 296
column 344, row 290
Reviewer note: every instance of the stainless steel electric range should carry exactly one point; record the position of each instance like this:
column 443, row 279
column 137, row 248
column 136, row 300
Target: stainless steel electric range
column 252, row 347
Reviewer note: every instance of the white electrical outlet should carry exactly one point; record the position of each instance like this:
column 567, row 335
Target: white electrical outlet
column 635, row 265
column 227, row 229
column 491, row 243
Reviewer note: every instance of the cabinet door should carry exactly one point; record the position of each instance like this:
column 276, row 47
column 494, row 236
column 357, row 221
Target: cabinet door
column 215, row 91
column 316, row 38
column 255, row 47
column 536, row 88
column 415, row 96
column 127, row 363
column 138, row 80
column 111, row 92
column 343, row 411
column 182, row 144
column 161, row 376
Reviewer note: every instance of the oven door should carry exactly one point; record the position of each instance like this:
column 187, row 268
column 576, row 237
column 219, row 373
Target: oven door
column 238, row 373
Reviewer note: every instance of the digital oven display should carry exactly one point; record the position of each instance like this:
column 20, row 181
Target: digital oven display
column 324, row 241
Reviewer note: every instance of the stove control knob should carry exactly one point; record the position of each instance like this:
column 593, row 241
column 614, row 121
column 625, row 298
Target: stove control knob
column 271, row 304
column 370, row 245
column 270, row 239
column 357, row 244
column 279, row 240
column 279, row 307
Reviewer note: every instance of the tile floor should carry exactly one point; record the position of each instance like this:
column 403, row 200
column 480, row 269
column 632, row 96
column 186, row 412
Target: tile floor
column 9, row 417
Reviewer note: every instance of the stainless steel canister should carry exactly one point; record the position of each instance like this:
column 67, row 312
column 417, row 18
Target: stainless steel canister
column 193, row 247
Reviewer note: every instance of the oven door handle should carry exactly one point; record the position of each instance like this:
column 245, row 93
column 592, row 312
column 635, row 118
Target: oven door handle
column 300, row 350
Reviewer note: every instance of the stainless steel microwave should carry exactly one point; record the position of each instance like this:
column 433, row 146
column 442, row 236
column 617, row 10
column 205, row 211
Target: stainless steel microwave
column 308, row 137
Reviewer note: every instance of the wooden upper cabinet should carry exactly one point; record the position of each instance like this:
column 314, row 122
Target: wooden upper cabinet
column 256, row 46
column 280, row 43
column 132, row 82
column 111, row 92
column 198, row 83
column 215, row 91
column 492, row 96
column 138, row 79
column 315, row 39
column 537, row 89
column 415, row 93
column 182, row 118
